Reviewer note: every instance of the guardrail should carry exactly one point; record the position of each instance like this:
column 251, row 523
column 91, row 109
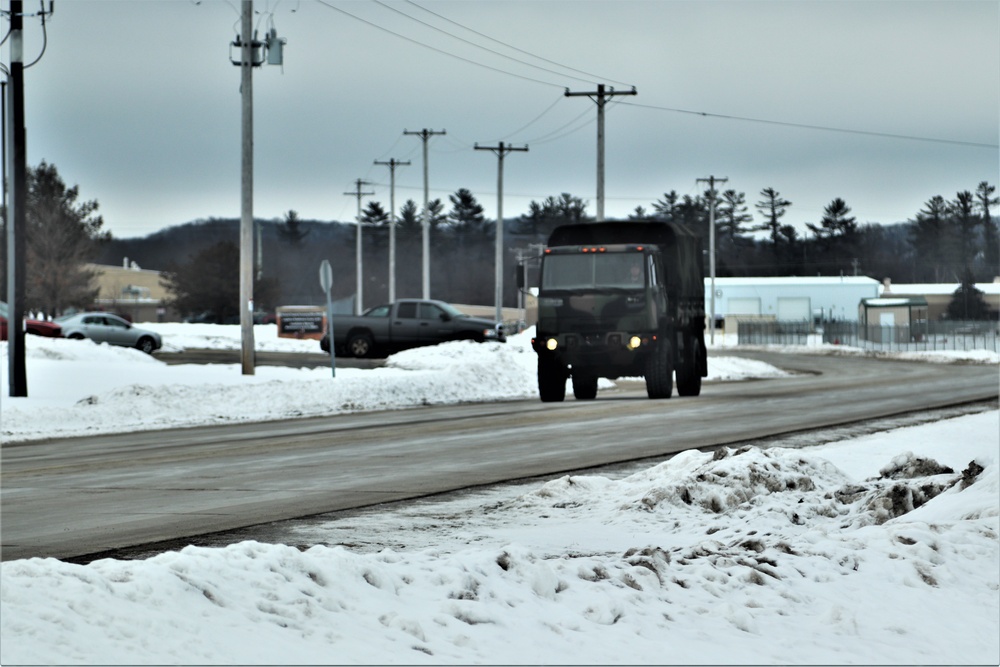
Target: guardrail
column 921, row 337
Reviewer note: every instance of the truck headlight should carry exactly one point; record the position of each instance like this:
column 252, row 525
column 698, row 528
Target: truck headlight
column 489, row 333
column 634, row 342
column 551, row 344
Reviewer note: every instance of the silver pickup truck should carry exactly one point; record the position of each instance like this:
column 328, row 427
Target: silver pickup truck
column 406, row 324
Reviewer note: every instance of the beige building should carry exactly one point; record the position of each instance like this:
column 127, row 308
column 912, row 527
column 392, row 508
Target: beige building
column 938, row 295
column 132, row 292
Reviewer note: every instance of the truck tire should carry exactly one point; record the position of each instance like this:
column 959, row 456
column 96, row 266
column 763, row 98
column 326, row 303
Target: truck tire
column 660, row 371
column 551, row 379
column 584, row 387
column 689, row 370
column 360, row 345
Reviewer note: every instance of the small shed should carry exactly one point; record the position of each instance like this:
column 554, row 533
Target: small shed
column 893, row 311
column 900, row 319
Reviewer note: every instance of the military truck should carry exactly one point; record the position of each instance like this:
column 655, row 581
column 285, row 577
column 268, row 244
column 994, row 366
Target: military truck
column 621, row 299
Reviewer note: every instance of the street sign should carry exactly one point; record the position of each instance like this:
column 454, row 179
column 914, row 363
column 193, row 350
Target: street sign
column 325, row 275
column 326, row 282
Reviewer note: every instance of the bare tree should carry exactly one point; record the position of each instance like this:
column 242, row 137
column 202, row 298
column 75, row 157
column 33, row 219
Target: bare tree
column 62, row 236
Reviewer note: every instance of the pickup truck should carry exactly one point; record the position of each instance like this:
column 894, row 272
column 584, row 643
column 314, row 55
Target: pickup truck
column 406, row 324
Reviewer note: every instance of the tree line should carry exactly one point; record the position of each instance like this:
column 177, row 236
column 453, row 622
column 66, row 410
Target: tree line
column 947, row 240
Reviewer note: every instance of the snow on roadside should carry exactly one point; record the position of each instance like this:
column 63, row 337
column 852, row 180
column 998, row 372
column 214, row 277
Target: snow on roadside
column 82, row 388
column 858, row 552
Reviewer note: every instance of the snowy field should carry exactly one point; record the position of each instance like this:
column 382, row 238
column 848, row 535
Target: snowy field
column 881, row 549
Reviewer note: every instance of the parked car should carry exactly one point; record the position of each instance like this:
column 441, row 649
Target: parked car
column 406, row 324
column 36, row 327
column 111, row 329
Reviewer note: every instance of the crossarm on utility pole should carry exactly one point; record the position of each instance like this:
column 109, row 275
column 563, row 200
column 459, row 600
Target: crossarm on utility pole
column 392, row 164
column 426, row 134
column 358, row 307
column 600, row 97
column 500, row 150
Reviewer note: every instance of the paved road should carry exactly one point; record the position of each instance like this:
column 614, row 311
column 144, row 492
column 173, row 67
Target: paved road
column 78, row 496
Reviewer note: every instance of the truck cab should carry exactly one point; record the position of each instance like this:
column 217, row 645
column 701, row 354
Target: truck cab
column 599, row 306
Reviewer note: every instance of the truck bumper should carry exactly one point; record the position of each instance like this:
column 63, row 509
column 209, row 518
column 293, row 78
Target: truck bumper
column 610, row 354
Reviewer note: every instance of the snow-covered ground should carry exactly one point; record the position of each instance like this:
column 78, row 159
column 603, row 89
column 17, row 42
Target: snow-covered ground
column 881, row 549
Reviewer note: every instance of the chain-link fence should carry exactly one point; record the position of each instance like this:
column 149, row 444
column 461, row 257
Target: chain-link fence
column 923, row 336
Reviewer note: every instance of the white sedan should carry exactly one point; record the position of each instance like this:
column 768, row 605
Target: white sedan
column 111, row 329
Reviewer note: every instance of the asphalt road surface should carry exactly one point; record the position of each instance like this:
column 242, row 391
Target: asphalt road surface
column 71, row 497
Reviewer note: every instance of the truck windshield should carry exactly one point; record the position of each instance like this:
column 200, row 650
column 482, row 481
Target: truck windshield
column 593, row 271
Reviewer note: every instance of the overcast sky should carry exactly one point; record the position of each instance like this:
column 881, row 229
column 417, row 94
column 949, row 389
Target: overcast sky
column 139, row 104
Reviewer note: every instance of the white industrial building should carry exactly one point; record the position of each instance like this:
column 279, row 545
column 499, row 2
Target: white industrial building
column 796, row 299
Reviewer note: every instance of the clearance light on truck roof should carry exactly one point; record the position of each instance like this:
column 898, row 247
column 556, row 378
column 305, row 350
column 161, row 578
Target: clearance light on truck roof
column 593, row 249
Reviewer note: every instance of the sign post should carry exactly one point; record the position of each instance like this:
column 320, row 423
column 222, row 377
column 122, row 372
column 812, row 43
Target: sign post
column 326, row 282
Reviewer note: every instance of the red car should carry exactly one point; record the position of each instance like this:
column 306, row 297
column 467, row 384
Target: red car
column 37, row 327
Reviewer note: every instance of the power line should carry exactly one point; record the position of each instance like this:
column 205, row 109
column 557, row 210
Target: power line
column 806, row 126
column 328, row 5
column 591, row 77
column 478, row 46
column 535, row 119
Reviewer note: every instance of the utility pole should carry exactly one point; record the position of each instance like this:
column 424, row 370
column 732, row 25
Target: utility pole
column 250, row 57
column 500, row 150
column 247, row 52
column 392, row 164
column 426, row 134
column 600, row 96
column 711, row 180
column 17, row 214
column 357, row 244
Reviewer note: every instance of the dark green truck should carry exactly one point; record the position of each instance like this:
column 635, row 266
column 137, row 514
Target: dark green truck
column 621, row 299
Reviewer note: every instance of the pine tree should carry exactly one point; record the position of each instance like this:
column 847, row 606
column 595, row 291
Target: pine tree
column 374, row 214
column 291, row 229
column 773, row 207
column 639, row 213
column 964, row 223
column 836, row 222
column 435, row 214
column 408, row 222
column 665, row 209
column 968, row 302
column 991, row 238
column 543, row 217
column 466, row 213
column 930, row 239
column 731, row 216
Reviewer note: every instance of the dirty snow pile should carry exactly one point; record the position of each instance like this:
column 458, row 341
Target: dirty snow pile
column 77, row 387
column 878, row 550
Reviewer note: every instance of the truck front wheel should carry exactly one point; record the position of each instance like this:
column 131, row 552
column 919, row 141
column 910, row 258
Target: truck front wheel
column 689, row 370
column 360, row 345
column 660, row 371
column 584, row 387
column 551, row 379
